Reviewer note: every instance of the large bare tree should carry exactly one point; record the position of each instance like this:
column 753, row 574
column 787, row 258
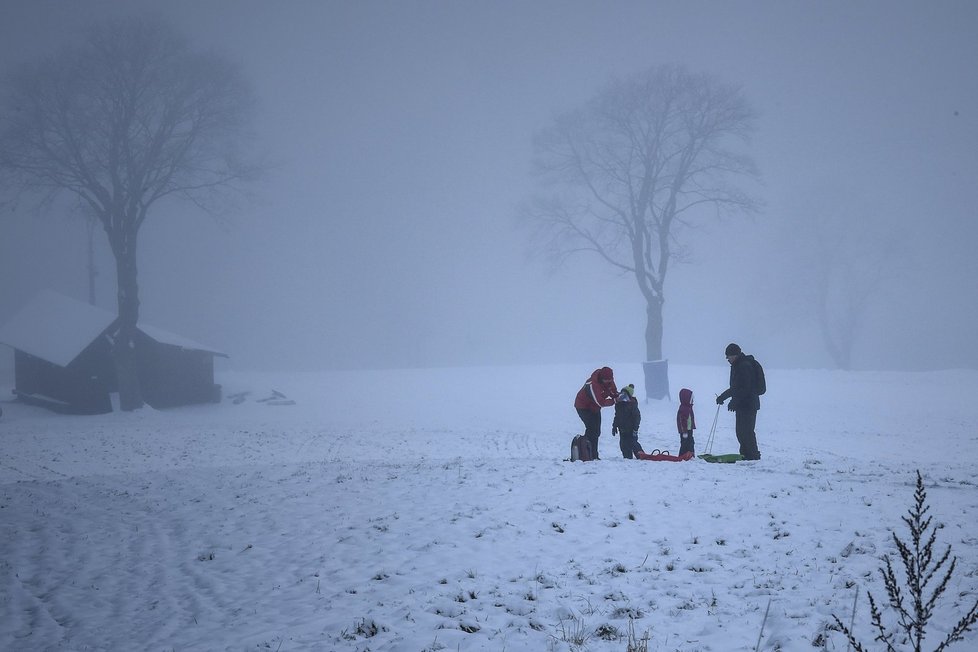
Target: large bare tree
column 129, row 118
column 642, row 158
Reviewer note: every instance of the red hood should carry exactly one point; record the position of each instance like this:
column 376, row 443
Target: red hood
column 685, row 396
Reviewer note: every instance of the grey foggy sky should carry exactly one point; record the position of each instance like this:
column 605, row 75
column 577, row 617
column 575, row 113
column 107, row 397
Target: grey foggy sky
column 385, row 234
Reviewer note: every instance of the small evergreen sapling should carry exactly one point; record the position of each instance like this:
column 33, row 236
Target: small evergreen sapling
column 915, row 610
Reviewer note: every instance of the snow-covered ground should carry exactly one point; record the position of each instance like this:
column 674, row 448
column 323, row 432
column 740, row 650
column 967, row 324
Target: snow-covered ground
column 433, row 510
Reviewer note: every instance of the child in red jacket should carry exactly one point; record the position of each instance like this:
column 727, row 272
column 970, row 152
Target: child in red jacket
column 685, row 421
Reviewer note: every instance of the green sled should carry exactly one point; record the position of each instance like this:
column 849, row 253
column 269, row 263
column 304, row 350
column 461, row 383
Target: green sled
column 729, row 458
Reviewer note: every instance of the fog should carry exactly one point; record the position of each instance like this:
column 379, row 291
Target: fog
column 385, row 233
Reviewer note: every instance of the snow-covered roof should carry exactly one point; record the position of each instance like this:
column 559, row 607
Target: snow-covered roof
column 57, row 328
column 165, row 337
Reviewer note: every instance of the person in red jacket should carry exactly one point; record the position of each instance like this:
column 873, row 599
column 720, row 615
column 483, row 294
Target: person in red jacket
column 599, row 391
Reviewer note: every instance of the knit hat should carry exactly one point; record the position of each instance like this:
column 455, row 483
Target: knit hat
column 732, row 349
column 630, row 389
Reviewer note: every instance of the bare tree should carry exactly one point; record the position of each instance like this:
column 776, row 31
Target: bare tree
column 635, row 164
column 128, row 119
column 846, row 282
column 845, row 252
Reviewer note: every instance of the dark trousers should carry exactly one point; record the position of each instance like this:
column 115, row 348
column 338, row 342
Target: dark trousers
column 627, row 441
column 686, row 443
column 592, row 427
column 746, row 421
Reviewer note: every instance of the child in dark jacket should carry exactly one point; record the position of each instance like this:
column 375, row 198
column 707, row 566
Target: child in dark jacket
column 627, row 420
column 685, row 421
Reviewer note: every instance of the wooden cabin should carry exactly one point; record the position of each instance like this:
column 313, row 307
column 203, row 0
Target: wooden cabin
column 63, row 359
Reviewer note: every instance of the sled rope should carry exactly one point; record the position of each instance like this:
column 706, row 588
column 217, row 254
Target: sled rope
column 713, row 430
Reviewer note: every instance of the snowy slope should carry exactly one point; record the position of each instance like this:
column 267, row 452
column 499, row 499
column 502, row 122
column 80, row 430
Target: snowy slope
column 432, row 510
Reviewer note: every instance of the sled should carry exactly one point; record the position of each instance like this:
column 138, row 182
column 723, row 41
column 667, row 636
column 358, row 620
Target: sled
column 662, row 456
column 239, row 397
column 728, row 458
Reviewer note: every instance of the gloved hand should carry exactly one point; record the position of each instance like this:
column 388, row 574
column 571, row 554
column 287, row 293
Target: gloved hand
column 719, row 401
column 732, row 406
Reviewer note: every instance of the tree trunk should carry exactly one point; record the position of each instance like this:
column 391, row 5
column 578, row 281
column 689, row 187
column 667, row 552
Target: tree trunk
column 653, row 329
column 656, row 369
column 837, row 340
column 124, row 351
column 90, row 225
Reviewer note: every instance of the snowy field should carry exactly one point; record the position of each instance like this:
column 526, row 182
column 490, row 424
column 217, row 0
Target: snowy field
column 424, row 510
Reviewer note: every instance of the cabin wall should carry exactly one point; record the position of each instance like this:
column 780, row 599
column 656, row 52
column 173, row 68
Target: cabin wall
column 171, row 376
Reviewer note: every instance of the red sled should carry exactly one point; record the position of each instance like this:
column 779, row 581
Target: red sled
column 663, row 456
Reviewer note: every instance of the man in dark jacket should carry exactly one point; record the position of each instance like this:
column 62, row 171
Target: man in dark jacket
column 744, row 401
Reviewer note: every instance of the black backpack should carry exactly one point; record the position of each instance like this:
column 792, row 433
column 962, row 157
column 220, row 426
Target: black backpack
column 581, row 449
column 759, row 383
